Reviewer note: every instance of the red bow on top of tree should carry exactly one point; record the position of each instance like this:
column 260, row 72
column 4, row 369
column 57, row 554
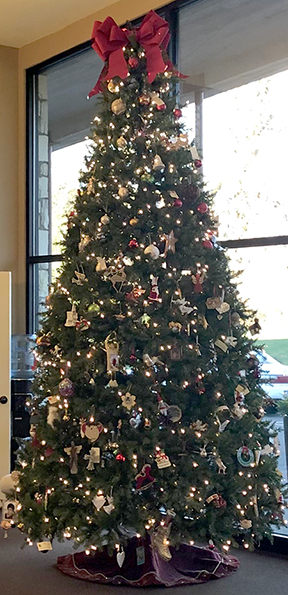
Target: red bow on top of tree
column 109, row 41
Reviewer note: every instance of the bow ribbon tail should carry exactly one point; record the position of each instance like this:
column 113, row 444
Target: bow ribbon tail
column 117, row 65
column 171, row 68
column 98, row 87
column 154, row 61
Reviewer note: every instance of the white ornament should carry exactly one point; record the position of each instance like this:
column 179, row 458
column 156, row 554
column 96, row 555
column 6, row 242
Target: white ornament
column 99, row 501
column 120, row 558
column 93, row 458
column 153, row 251
column 53, row 410
column 108, row 507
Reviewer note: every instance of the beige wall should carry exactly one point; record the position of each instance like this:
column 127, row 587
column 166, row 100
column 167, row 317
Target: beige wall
column 35, row 53
column 9, row 221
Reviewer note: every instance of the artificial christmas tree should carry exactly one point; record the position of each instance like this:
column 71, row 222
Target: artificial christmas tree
column 147, row 411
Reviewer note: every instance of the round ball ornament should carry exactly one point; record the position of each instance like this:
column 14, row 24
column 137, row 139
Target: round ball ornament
column 133, row 221
column 161, row 107
column 133, row 243
column 219, row 502
column 147, row 178
column 202, row 208
column 66, row 388
column 144, row 99
column 198, row 163
column 118, row 107
column 121, row 142
column 133, row 62
column 94, row 308
column 178, row 203
column 152, row 251
column 245, row 456
column 174, row 413
column 207, row 244
column 177, row 112
column 113, row 87
column 123, row 192
column 104, row 219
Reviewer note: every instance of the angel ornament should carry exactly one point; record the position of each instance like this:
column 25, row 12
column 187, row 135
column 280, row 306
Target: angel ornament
column 111, row 347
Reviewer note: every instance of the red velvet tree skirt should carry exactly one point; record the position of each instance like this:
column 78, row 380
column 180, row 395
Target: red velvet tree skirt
column 189, row 564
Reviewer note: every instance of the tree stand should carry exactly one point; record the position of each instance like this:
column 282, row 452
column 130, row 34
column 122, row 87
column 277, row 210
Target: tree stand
column 143, row 566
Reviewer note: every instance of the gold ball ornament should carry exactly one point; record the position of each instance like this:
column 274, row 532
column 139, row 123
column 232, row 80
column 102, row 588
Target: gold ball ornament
column 123, row 192
column 104, row 219
column 121, row 142
column 112, row 87
column 133, row 221
column 158, row 164
column 118, row 107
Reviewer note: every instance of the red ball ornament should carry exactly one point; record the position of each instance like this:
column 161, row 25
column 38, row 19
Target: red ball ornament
column 198, row 163
column 161, row 107
column 207, row 244
column 178, row 203
column 177, row 112
column 202, row 208
column 133, row 243
column 120, row 457
column 133, row 62
column 219, row 502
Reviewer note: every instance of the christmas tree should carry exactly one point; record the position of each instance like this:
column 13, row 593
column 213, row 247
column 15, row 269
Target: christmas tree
column 147, row 414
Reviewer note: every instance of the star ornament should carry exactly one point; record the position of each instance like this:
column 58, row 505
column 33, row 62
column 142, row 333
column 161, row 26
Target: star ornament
column 170, row 242
column 128, row 401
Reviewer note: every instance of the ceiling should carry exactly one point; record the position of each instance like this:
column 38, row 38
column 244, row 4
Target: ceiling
column 25, row 21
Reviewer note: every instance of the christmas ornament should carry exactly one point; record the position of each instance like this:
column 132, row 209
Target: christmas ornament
column 53, row 411
column 133, row 61
column 158, row 164
column 199, row 426
column 43, row 341
column 217, row 501
column 156, row 100
column 101, row 264
column 66, row 388
column 121, row 142
column 170, row 242
column 198, row 280
column 104, row 219
column 128, row 261
column 123, row 192
column 175, row 326
column 82, row 324
column 194, row 152
column 93, row 458
column 202, row 208
column 162, row 406
column 144, row 99
column 145, row 319
column 162, row 460
column 245, row 456
column 134, row 294
column 80, row 277
column 174, row 413
column 246, row 524
column 91, row 430
column 178, row 203
column 198, row 163
column 108, row 506
column 154, row 292
column 202, row 320
column 183, row 305
column 133, row 221
column 176, row 352
column 118, row 107
column 135, row 420
column 144, row 479
column 221, row 467
column 120, row 457
column 71, row 317
column 115, row 275
column 230, row 341
column 120, row 557
column 73, row 452
column 94, row 308
column 112, row 87
column 133, row 243
column 99, row 500
column 161, row 107
column 84, row 241
column 147, row 178
column 207, row 244
column 255, row 328
column 177, row 112
column 153, row 251
column 160, row 203
column 112, row 353
column 128, row 401
column 219, row 343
